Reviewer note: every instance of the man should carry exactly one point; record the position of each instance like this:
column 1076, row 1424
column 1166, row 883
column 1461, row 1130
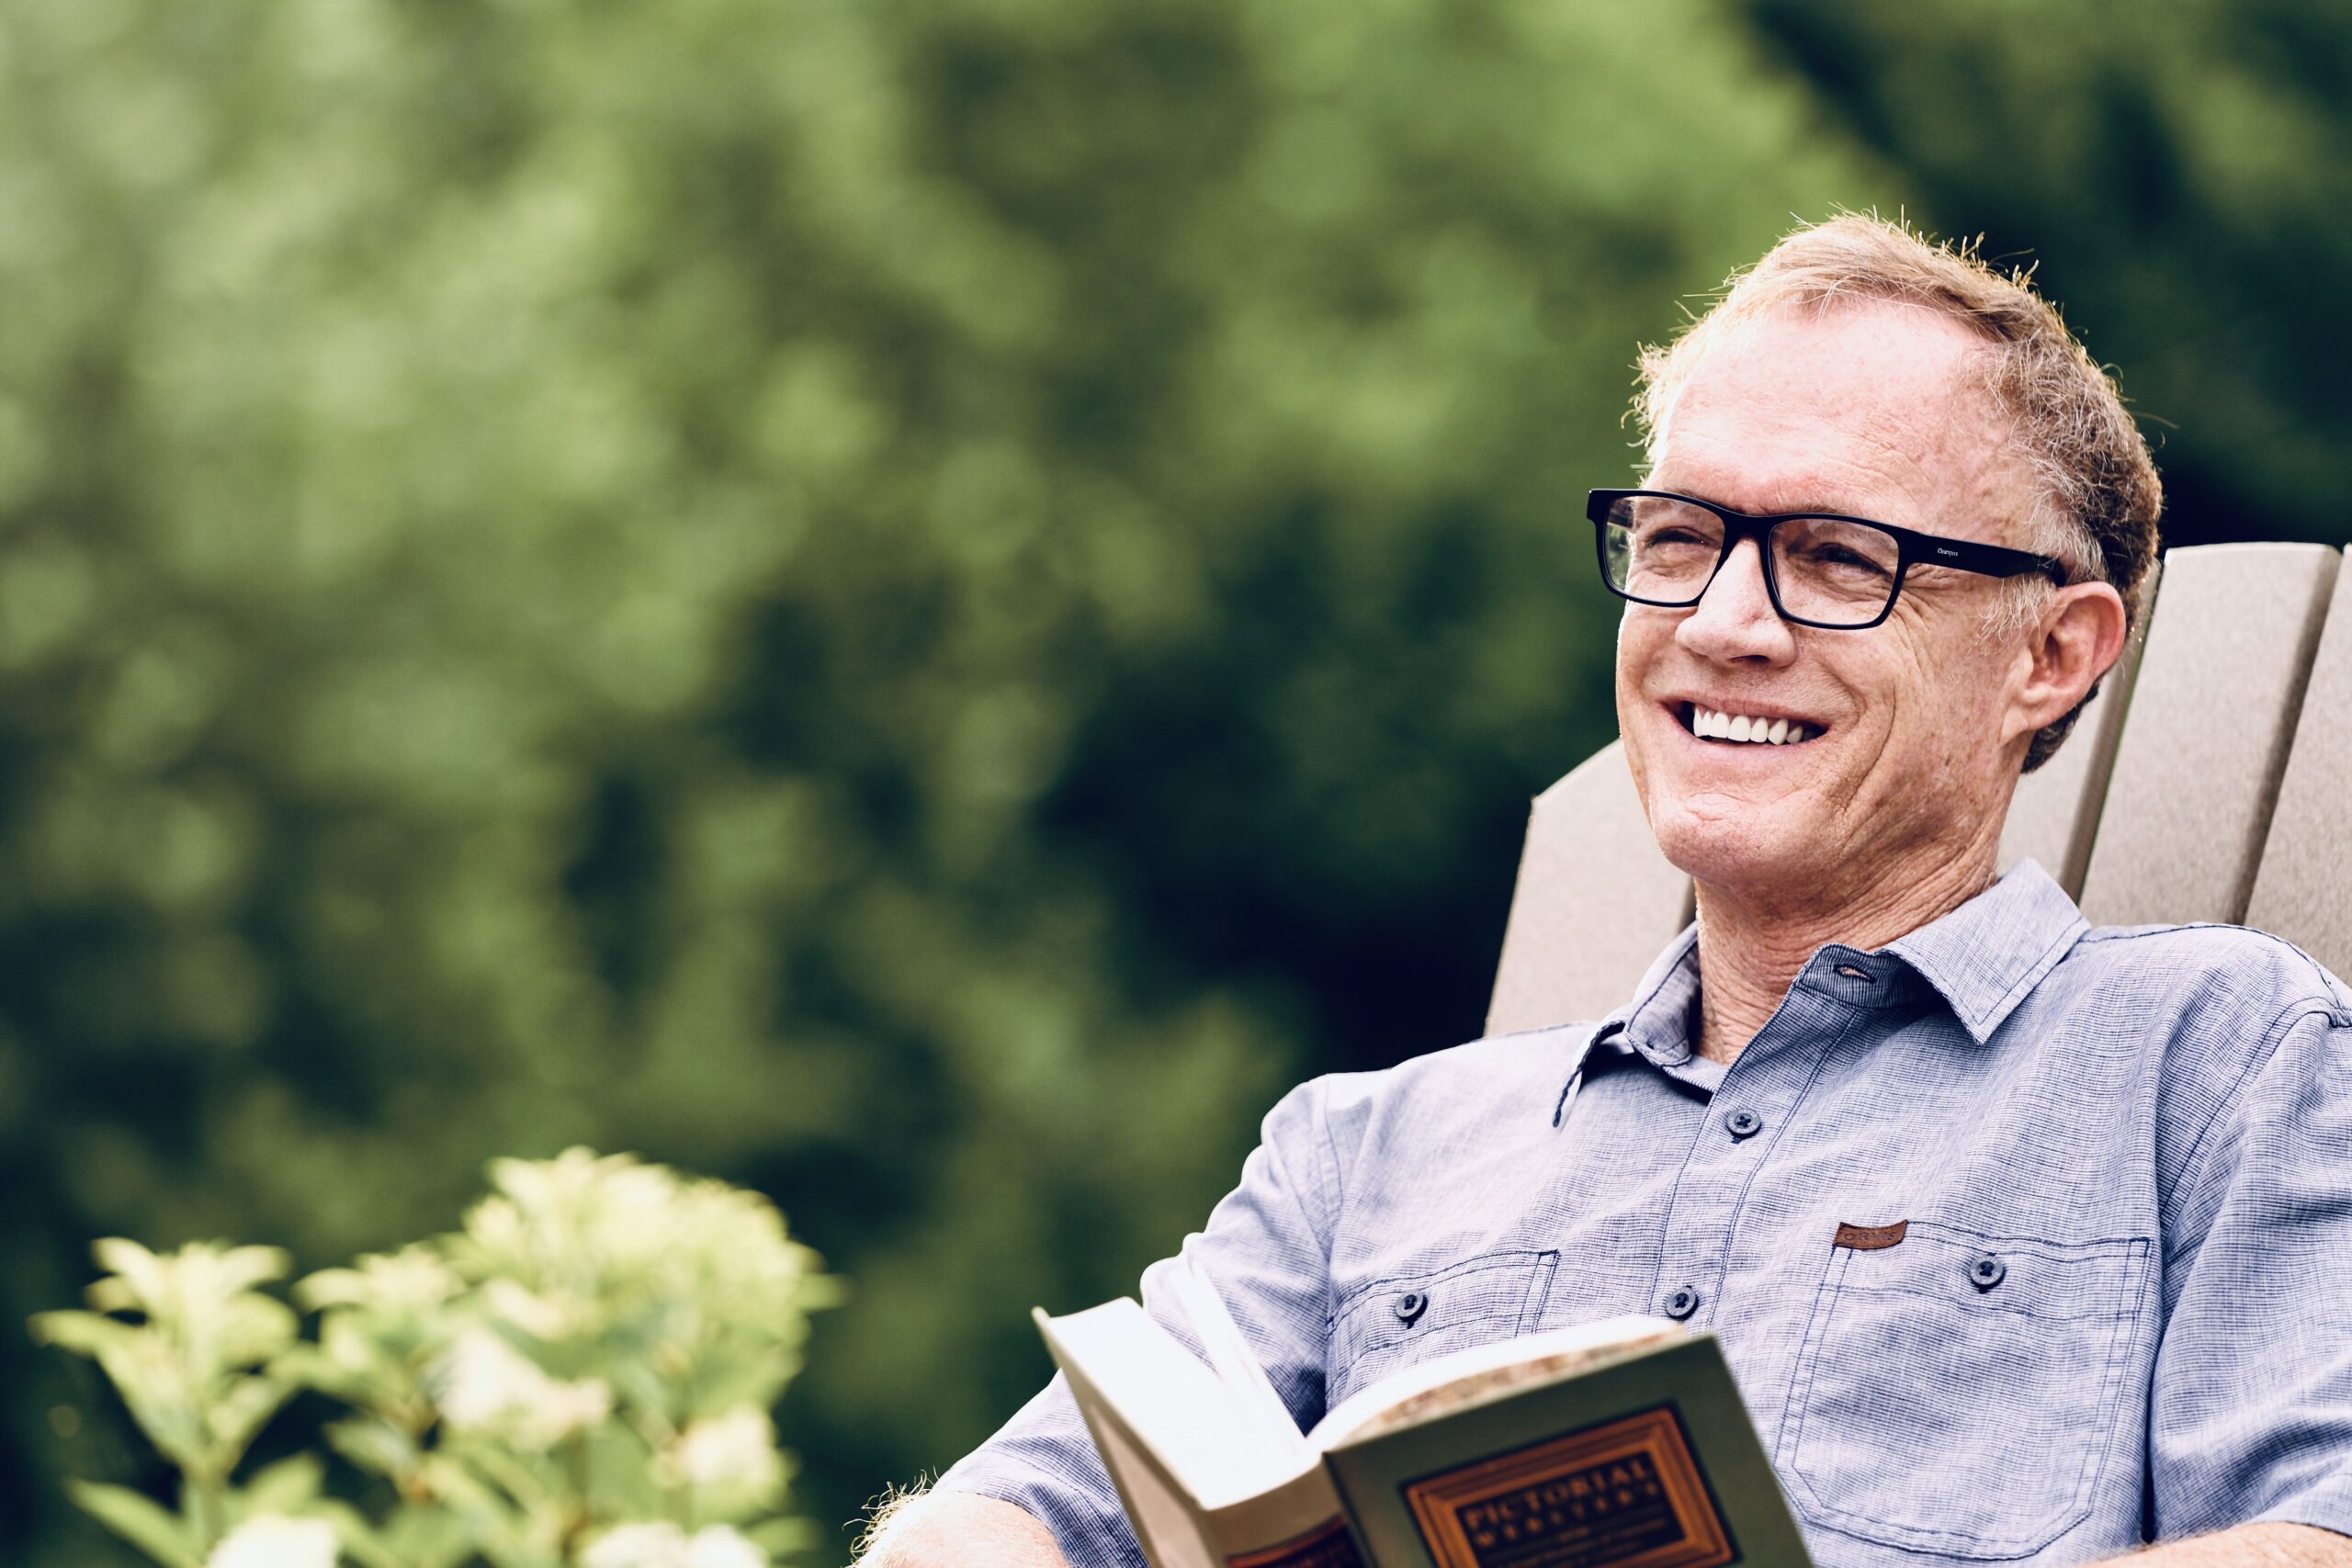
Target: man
column 2026, row 1242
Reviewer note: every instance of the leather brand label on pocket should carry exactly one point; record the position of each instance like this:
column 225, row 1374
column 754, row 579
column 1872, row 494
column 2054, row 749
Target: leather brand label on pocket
column 1870, row 1238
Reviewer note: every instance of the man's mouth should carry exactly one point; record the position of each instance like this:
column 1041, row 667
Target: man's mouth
column 1752, row 730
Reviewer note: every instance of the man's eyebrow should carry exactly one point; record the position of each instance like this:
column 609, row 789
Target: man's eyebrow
column 1785, row 500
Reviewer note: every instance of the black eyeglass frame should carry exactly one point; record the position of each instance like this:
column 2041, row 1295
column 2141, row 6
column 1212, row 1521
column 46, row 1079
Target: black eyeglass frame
column 1912, row 548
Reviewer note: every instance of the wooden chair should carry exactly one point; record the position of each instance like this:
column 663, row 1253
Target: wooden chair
column 2206, row 781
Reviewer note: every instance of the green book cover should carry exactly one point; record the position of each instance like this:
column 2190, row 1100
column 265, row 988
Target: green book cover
column 1650, row 1462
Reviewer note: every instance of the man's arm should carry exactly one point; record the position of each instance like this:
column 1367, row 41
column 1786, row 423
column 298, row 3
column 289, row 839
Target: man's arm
column 2267, row 1545
column 963, row 1529
column 1035, row 1494
column 2250, row 1410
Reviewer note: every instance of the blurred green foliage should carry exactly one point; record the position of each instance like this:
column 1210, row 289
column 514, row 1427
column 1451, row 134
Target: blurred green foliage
column 918, row 605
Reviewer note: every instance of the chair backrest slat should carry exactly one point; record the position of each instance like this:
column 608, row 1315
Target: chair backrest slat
column 2212, row 717
column 2054, row 817
column 1595, row 902
column 2303, row 891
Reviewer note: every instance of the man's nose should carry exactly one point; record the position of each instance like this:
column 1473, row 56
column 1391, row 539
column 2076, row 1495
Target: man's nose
column 1734, row 620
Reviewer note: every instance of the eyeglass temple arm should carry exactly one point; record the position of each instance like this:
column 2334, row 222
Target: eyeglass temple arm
column 1967, row 555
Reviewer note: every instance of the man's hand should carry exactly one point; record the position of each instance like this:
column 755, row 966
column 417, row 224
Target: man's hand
column 959, row 1530
column 2265, row 1545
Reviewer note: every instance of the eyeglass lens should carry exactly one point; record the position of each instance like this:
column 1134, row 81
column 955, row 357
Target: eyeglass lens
column 1664, row 551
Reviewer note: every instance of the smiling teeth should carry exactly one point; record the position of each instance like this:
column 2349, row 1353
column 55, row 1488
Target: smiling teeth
column 1713, row 724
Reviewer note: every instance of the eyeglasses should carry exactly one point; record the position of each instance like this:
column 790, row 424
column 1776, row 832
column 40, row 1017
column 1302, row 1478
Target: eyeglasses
column 1820, row 570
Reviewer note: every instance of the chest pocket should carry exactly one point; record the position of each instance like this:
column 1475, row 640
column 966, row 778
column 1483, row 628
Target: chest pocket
column 1957, row 1393
column 1398, row 1319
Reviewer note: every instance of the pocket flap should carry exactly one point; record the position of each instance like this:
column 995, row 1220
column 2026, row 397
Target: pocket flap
column 1401, row 1318
column 2019, row 1274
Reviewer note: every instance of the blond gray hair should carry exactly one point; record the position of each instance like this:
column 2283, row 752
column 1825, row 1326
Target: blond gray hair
column 2098, row 497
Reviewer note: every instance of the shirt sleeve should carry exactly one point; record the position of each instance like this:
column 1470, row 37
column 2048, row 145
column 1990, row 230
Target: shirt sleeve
column 2251, row 1412
column 1266, row 1247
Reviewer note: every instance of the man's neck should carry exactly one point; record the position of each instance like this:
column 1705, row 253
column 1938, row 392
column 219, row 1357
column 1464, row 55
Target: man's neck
column 1750, row 949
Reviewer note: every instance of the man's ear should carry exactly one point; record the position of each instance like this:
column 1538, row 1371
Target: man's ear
column 2076, row 639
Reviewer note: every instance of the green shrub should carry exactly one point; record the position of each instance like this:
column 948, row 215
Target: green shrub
column 579, row 1378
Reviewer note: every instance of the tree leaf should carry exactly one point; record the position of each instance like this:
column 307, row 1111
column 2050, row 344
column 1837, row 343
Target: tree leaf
column 375, row 1447
column 254, row 1327
column 290, row 1487
column 428, row 1536
column 360, row 1541
column 139, row 1519
column 84, row 1333
column 140, row 1279
column 238, row 1414
column 308, row 1367
column 242, row 1267
column 331, row 1287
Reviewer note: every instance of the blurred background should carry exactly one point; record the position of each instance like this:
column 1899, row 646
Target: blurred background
column 915, row 604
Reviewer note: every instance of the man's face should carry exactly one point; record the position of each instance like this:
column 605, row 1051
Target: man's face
column 1870, row 410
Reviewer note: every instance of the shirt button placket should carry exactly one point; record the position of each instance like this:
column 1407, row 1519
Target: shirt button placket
column 1759, row 1091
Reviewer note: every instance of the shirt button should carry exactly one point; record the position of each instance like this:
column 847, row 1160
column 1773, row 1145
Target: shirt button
column 1682, row 1303
column 1409, row 1307
column 1744, row 1123
column 1986, row 1271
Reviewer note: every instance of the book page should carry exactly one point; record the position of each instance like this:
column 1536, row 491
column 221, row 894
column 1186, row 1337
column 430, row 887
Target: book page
column 1449, row 1382
column 1165, row 1526
column 1229, row 1356
column 1213, row 1439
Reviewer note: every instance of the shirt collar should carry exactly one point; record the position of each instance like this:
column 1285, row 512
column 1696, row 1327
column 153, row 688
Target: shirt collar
column 1661, row 1021
column 1986, row 956
column 1658, row 1023
column 1982, row 958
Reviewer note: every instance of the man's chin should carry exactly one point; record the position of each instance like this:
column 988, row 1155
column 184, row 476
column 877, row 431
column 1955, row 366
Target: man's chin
column 1735, row 852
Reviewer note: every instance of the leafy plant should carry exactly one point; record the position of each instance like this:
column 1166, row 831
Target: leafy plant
column 579, row 1378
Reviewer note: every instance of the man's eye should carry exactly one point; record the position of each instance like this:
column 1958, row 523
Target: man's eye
column 1674, row 538
column 1842, row 559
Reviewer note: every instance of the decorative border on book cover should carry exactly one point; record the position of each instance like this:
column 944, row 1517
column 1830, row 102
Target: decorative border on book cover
column 1626, row 1494
column 1326, row 1546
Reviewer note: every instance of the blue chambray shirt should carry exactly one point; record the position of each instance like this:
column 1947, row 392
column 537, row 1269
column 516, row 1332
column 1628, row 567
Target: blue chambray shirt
column 2120, row 1305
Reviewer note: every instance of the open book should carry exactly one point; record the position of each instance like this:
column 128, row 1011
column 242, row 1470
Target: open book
column 1620, row 1444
